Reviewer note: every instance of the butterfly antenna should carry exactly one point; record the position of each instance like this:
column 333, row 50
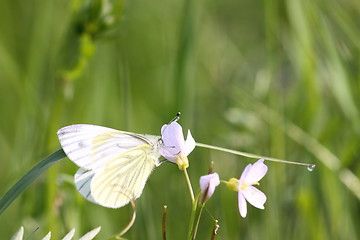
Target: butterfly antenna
column 176, row 118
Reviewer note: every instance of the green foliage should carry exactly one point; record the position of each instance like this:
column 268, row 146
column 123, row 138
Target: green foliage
column 29, row 178
column 275, row 78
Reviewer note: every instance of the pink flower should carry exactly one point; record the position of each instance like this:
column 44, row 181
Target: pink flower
column 247, row 192
column 244, row 186
column 208, row 183
column 175, row 148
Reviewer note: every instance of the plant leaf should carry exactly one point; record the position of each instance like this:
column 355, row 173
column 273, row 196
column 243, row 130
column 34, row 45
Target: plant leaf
column 47, row 237
column 29, row 177
column 19, row 234
column 70, row 235
column 90, row 235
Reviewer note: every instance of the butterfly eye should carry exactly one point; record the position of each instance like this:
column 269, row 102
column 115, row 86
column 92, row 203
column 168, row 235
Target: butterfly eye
column 160, row 141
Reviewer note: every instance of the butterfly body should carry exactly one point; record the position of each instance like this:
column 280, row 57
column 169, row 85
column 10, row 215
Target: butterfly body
column 114, row 165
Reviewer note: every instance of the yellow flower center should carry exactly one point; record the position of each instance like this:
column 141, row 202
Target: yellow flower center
column 182, row 162
column 244, row 186
column 232, row 184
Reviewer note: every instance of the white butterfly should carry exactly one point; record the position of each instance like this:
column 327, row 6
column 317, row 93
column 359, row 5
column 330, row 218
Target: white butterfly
column 114, row 165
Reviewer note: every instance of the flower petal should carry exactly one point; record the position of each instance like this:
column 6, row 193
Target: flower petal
column 242, row 204
column 172, row 136
column 208, row 183
column 244, row 174
column 255, row 197
column 256, row 172
column 189, row 144
column 168, row 155
column 173, row 141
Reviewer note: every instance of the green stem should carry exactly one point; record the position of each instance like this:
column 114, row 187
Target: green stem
column 130, row 224
column 198, row 216
column 250, row 155
column 192, row 217
column 189, row 186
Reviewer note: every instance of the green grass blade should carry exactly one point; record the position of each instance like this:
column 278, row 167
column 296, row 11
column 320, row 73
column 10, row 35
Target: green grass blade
column 28, row 178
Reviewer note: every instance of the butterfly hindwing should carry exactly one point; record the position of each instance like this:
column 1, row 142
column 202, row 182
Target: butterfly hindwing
column 82, row 181
column 123, row 178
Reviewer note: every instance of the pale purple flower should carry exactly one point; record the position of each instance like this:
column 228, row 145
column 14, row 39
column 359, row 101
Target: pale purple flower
column 208, row 183
column 246, row 191
column 175, row 148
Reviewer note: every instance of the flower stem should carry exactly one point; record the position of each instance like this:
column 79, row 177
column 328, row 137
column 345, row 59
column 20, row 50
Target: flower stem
column 250, row 155
column 122, row 232
column 189, row 186
column 198, row 216
column 194, row 211
column 164, row 223
column 192, row 219
column 214, row 232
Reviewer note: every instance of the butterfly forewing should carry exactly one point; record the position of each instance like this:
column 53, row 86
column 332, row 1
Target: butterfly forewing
column 123, row 178
column 91, row 146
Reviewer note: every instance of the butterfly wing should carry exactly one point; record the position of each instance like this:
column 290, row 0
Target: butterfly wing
column 82, row 181
column 123, row 178
column 90, row 146
column 114, row 164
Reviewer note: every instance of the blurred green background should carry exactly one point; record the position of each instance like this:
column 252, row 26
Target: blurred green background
column 277, row 78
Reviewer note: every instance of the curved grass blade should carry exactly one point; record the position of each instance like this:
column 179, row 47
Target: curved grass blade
column 28, row 178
